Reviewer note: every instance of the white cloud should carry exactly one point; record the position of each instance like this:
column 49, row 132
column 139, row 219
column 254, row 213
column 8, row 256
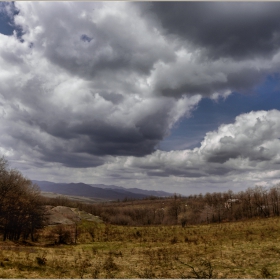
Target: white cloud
column 74, row 100
column 245, row 151
column 70, row 102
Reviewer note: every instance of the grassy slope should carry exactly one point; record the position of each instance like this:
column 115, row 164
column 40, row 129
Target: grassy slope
column 248, row 249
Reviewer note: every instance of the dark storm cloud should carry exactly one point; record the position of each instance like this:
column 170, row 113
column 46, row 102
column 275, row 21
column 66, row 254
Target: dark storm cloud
column 115, row 141
column 95, row 138
column 112, row 79
column 105, row 138
column 60, row 128
column 224, row 29
column 73, row 160
column 45, row 148
column 229, row 46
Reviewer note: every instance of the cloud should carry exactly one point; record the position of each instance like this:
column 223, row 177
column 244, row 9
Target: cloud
column 119, row 41
column 237, row 156
column 251, row 143
column 235, row 29
column 220, row 47
column 188, row 76
column 74, row 89
column 95, row 80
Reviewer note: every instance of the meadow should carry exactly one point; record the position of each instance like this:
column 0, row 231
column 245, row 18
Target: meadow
column 242, row 249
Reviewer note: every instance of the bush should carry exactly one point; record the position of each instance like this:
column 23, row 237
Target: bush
column 61, row 235
column 121, row 219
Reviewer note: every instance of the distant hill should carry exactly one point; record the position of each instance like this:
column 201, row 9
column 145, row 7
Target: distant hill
column 102, row 186
column 134, row 190
column 97, row 190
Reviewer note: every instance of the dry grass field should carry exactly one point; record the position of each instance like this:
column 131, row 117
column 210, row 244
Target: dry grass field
column 245, row 249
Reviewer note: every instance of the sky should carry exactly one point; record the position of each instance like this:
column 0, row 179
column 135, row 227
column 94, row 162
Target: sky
column 176, row 96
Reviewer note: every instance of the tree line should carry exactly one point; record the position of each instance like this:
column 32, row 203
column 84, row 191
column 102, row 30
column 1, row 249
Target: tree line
column 214, row 207
column 21, row 208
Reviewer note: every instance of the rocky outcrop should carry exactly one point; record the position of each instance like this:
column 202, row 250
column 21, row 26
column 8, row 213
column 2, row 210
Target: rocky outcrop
column 67, row 216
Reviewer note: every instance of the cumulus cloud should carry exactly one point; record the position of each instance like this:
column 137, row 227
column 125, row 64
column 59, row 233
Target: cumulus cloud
column 100, row 84
column 75, row 88
column 251, row 143
column 221, row 47
column 238, row 30
column 237, row 155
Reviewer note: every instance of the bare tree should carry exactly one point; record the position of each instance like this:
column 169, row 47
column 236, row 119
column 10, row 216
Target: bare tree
column 21, row 212
column 274, row 195
column 175, row 208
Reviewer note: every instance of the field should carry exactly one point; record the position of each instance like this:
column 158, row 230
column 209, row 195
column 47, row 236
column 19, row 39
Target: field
column 244, row 249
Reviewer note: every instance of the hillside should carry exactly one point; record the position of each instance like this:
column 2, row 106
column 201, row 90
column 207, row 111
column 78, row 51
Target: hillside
column 97, row 191
column 134, row 190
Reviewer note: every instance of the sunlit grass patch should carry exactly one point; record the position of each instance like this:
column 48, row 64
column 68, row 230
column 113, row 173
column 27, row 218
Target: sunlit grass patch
column 228, row 250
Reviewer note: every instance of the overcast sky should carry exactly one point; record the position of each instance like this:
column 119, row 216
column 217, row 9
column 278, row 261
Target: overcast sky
column 175, row 96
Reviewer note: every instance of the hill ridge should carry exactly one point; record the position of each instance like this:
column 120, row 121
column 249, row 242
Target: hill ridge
column 109, row 192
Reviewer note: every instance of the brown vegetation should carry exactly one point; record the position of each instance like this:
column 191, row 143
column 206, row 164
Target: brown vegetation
column 21, row 212
column 178, row 210
column 245, row 249
column 218, row 235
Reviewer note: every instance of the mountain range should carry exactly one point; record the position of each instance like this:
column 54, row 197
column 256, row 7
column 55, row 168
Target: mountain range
column 98, row 191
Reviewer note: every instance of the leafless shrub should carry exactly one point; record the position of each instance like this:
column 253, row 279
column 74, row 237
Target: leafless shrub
column 41, row 260
column 61, row 235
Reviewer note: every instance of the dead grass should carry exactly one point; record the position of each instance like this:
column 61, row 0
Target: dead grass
column 248, row 249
